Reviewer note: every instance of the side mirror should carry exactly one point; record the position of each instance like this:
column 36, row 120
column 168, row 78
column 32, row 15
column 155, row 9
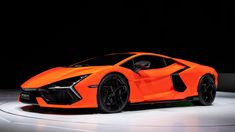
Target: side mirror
column 140, row 65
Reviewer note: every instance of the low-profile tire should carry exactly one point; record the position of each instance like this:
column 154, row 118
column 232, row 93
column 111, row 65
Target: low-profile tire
column 113, row 93
column 206, row 91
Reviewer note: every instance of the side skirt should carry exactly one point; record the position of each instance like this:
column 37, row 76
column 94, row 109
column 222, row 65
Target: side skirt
column 188, row 99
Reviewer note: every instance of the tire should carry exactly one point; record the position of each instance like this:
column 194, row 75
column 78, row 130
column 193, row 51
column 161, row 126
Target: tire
column 206, row 91
column 113, row 93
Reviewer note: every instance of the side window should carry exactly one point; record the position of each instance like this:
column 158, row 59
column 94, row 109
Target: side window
column 169, row 61
column 156, row 62
column 129, row 64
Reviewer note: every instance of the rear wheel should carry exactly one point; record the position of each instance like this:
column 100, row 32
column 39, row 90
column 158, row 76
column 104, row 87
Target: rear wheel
column 206, row 91
column 113, row 93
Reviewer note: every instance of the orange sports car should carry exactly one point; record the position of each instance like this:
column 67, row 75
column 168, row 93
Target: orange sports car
column 112, row 81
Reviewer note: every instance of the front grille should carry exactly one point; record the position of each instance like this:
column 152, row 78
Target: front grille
column 63, row 96
column 59, row 96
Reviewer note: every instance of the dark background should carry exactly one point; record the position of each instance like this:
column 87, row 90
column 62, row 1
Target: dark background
column 39, row 36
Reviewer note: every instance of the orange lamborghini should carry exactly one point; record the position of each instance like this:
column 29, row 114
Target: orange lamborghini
column 112, row 81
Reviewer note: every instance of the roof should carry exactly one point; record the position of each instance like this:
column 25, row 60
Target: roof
column 148, row 53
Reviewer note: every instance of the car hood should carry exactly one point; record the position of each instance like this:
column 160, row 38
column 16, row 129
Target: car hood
column 59, row 73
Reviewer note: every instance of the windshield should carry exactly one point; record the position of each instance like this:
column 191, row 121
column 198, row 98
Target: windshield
column 110, row 59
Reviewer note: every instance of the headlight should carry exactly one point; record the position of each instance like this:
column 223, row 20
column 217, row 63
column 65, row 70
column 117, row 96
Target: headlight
column 68, row 82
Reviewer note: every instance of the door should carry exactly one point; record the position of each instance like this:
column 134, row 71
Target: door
column 156, row 79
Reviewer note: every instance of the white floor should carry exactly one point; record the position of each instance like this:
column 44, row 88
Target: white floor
column 220, row 116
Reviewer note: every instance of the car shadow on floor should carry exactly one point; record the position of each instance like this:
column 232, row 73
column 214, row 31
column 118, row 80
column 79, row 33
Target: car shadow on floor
column 87, row 111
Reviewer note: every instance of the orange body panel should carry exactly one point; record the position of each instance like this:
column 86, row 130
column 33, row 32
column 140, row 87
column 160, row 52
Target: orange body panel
column 145, row 86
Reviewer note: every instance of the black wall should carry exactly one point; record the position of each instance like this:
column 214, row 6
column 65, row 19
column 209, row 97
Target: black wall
column 37, row 37
column 226, row 82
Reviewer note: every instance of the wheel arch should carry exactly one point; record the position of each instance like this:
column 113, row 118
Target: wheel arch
column 116, row 72
column 206, row 74
column 211, row 75
column 121, row 74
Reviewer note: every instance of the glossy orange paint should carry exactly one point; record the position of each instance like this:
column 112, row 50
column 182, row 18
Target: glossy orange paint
column 145, row 86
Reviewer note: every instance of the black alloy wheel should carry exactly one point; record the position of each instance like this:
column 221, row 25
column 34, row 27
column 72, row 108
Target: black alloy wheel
column 113, row 93
column 206, row 91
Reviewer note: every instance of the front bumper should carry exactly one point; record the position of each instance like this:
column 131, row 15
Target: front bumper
column 60, row 98
column 65, row 96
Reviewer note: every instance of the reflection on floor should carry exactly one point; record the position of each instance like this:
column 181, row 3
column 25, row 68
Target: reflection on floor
column 181, row 116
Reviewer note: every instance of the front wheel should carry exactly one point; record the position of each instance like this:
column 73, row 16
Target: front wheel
column 206, row 91
column 113, row 93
